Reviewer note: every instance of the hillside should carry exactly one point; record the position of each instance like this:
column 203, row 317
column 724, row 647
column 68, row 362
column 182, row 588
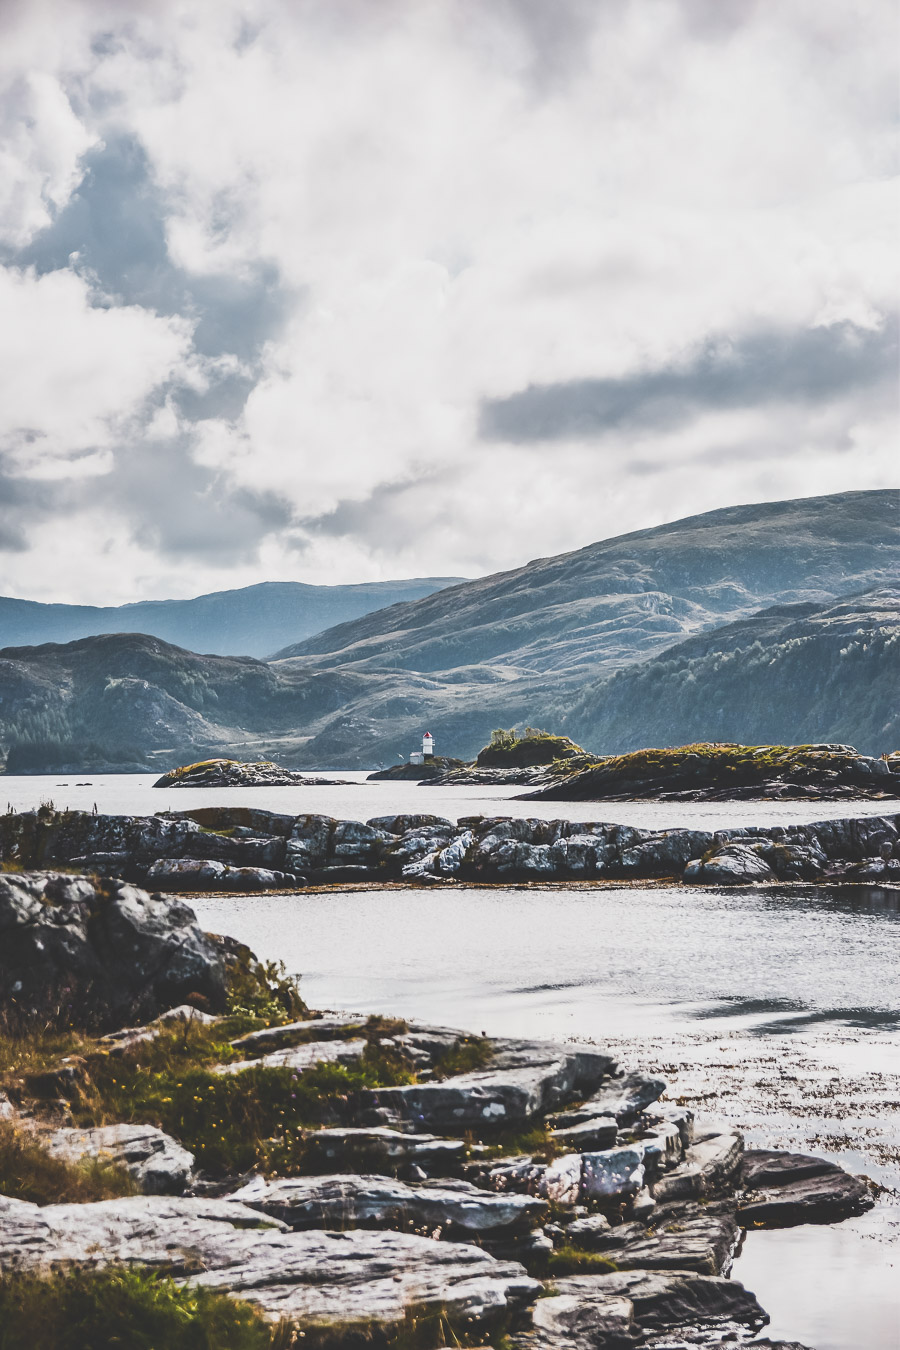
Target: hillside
column 550, row 636
column 252, row 621
column 797, row 673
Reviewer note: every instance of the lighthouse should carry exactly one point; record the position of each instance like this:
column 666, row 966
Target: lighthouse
column 427, row 745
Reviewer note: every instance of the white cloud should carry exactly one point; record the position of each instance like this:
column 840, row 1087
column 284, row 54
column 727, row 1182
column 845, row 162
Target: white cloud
column 461, row 200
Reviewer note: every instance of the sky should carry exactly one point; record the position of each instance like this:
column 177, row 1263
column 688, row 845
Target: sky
column 345, row 290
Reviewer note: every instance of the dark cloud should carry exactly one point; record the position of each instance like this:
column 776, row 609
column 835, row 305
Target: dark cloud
column 112, row 231
column 389, row 512
column 812, row 366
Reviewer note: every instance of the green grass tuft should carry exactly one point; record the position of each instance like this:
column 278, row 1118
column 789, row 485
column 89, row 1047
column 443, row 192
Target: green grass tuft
column 121, row 1308
column 570, row 1261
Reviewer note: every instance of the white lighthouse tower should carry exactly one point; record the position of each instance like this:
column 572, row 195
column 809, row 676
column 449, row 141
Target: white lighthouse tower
column 427, row 745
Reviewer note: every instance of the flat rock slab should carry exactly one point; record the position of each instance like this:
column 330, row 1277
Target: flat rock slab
column 451, row 1209
column 524, row 1081
column 580, row 1322
column 694, row 1238
column 763, row 1167
column 294, row 1033
column 381, row 1149
column 301, row 1057
column 155, row 1160
column 597, row 1132
column 626, row 1097
column 671, row 1298
column 329, row 1284
column 819, row 1199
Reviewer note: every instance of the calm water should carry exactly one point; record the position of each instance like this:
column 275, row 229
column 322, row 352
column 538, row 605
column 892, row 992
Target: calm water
column 775, row 1010
column 359, row 800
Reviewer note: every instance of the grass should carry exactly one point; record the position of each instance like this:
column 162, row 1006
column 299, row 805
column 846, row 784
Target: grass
column 539, row 1142
column 470, row 1054
column 124, row 1309
column 29, row 1172
column 231, row 1122
column 568, row 1260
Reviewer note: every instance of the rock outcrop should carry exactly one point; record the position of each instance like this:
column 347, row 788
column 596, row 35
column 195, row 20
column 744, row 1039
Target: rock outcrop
column 103, row 948
column 240, row 848
column 155, row 1160
column 219, row 773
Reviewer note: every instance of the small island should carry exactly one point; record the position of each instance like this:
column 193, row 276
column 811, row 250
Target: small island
column 218, row 773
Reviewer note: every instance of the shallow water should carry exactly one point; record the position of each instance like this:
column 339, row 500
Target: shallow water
column 774, row 1010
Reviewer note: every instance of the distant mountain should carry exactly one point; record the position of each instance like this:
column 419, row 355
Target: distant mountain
column 252, row 621
column 793, row 673
column 536, row 645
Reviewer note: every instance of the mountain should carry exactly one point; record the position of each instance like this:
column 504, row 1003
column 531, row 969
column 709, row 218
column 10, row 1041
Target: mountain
column 790, row 674
column 252, row 621
column 521, row 645
column 535, row 645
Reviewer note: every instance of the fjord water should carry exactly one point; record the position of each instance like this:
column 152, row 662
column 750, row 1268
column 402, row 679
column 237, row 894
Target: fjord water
column 774, row 1009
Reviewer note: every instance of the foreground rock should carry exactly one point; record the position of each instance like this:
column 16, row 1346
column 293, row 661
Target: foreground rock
column 237, row 773
column 155, row 1160
column 241, row 847
column 451, row 1209
column 327, row 1284
column 105, row 948
column 785, row 1189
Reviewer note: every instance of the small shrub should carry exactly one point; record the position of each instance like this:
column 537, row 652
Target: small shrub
column 29, row 1172
column 119, row 1307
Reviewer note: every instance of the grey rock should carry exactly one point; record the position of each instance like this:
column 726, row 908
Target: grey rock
column 404, row 824
column 710, row 1166
column 626, row 1097
column 105, row 945
column 680, row 1116
column 773, row 1167
column 451, row 1209
column 664, row 1299
column 207, row 874
column 588, row 1232
column 824, row 1198
column 662, row 1148
column 702, row 1239
column 300, row 1057
column 732, row 865
column 524, row 1081
column 561, row 1182
column 116, row 1042
column 381, row 1150
column 593, row 1133
column 611, row 1174
column 155, row 1160
column 329, row 1284
column 293, row 1033
column 580, row 1322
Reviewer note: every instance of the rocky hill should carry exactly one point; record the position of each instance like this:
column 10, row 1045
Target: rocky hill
column 251, row 621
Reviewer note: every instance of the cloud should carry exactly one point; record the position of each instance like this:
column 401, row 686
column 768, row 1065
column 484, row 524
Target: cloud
column 293, row 283
column 759, row 369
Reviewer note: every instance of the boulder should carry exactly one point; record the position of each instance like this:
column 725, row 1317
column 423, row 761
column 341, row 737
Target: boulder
column 580, row 1322
column 105, row 948
column 155, row 1160
column 663, row 1299
column 449, row 1209
column 289, row 1034
column 597, row 1132
column 784, row 1189
column 710, row 1166
column 206, row 874
column 331, row 1285
column 407, row 824
column 730, row 865
column 612, row 1174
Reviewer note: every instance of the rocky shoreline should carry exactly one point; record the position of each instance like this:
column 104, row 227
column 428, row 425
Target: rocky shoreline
column 507, row 1188
column 246, row 849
